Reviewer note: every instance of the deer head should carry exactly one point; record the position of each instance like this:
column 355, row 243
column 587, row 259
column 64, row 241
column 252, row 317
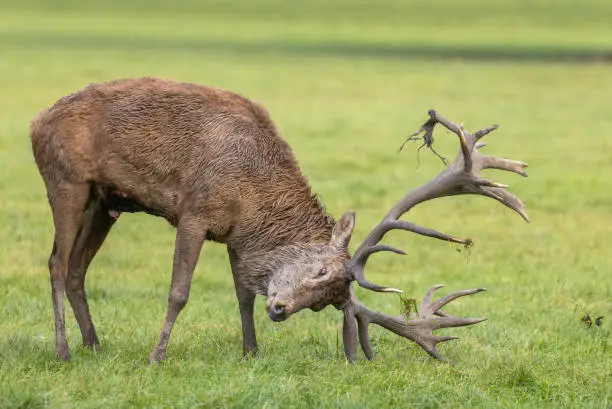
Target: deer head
column 311, row 275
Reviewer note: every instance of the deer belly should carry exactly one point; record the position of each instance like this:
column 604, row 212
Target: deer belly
column 116, row 201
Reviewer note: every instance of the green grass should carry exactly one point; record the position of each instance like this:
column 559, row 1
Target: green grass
column 345, row 82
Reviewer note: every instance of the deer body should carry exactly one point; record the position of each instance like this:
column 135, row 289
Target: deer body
column 213, row 164
column 176, row 148
column 209, row 161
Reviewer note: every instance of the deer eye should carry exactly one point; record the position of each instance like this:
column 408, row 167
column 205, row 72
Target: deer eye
column 322, row 272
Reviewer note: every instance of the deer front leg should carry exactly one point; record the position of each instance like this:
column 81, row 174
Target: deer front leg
column 246, row 305
column 190, row 235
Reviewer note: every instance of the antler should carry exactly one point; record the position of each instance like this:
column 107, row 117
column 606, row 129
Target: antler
column 460, row 177
column 418, row 328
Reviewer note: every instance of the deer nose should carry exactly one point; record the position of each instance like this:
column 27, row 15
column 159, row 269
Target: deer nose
column 277, row 312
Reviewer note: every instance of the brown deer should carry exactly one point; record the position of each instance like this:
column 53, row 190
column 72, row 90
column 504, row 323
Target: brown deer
column 213, row 164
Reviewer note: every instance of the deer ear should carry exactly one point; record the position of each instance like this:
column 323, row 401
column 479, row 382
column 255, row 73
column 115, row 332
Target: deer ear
column 341, row 234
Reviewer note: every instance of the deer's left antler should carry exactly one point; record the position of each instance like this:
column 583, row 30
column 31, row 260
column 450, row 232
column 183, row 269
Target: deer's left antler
column 418, row 327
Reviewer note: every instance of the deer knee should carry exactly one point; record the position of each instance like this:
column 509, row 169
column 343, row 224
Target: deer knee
column 74, row 284
column 52, row 263
column 178, row 299
column 56, row 267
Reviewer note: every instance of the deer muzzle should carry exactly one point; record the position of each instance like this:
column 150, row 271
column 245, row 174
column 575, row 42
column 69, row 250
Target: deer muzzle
column 278, row 313
column 278, row 310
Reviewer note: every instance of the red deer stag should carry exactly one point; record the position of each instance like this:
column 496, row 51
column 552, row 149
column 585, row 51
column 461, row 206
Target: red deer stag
column 213, row 164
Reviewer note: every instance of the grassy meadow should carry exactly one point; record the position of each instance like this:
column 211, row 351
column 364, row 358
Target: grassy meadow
column 345, row 82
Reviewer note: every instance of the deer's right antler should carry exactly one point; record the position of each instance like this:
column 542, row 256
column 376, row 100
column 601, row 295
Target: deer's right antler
column 462, row 176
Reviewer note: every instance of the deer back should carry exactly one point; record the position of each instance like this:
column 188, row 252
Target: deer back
column 178, row 148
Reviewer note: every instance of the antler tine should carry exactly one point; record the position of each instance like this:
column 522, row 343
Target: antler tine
column 460, row 177
column 441, row 302
column 423, row 231
column 430, row 292
column 507, row 199
column 349, row 331
column 485, row 131
column 368, row 251
column 492, row 162
column 357, row 318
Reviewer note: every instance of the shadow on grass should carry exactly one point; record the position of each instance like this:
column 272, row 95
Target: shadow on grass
column 515, row 53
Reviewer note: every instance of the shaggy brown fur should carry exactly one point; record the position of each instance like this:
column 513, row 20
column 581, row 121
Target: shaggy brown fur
column 209, row 161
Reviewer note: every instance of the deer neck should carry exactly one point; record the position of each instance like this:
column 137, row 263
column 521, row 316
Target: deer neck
column 281, row 223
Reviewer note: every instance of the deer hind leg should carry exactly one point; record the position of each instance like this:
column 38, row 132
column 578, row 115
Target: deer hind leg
column 97, row 222
column 190, row 235
column 68, row 203
column 246, row 304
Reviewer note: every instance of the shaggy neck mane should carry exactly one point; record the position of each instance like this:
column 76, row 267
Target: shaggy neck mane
column 287, row 212
column 288, row 219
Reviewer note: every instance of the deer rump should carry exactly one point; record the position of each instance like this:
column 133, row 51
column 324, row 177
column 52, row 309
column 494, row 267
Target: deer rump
column 213, row 164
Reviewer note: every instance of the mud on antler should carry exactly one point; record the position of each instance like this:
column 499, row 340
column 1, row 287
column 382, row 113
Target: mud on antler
column 462, row 176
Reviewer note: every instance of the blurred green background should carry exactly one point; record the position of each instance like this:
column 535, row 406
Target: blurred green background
column 345, row 82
